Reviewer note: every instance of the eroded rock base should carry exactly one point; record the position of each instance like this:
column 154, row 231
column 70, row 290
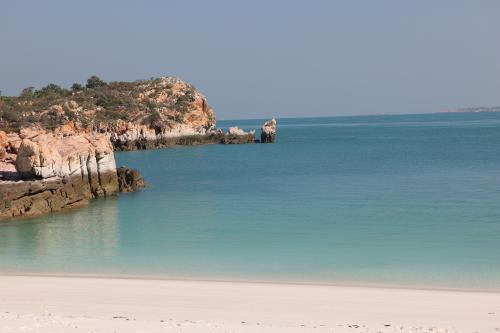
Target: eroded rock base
column 38, row 197
column 188, row 140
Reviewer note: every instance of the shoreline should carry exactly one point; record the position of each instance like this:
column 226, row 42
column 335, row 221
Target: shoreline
column 62, row 304
column 334, row 284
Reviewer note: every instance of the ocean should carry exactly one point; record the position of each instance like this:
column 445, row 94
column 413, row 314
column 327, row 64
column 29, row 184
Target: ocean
column 396, row 200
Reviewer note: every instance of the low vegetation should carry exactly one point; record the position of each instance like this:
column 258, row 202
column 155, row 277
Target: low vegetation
column 98, row 102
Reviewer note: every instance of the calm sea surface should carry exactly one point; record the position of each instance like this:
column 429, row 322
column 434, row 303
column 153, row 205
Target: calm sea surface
column 408, row 200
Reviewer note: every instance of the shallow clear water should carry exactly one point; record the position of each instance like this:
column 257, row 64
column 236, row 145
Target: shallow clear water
column 408, row 200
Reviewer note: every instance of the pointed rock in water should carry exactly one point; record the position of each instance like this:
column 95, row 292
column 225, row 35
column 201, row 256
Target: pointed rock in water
column 268, row 131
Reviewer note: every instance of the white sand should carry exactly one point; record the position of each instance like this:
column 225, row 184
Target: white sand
column 67, row 304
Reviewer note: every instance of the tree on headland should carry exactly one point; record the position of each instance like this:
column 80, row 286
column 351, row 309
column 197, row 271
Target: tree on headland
column 94, row 82
column 52, row 90
column 76, row 87
column 27, row 92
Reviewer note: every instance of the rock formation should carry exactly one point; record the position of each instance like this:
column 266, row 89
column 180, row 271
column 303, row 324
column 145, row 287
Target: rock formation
column 268, row 131
column 236, row 135
column 38, row 197
column 87, row 156
column 56, row 144
column 132, row 136
column 144, row 114
column 135, row 115
column 49, row 172
column 129, row 180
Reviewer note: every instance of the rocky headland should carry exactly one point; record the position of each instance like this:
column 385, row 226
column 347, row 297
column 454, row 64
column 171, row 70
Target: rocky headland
column 143, row 114
column 56, row 144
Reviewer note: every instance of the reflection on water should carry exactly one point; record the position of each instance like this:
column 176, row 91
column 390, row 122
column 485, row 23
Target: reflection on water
column 64, row 240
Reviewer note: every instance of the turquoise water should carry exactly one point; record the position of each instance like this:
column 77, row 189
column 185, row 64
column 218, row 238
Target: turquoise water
column 408, row 200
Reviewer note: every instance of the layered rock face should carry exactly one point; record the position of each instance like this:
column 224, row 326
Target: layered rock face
column 52, row 172
column 268, row 131
column 88, row 157
column 38, row 197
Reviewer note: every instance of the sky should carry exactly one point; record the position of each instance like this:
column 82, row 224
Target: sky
column 256, row 58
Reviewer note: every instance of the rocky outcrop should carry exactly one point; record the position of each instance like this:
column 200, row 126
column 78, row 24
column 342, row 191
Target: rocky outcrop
column 144, row 114
column 53, row 172
column 236, row 135
column 38, row 197
column 129, row 180
column 87, row 156
column 133, row 136
column 268, row 131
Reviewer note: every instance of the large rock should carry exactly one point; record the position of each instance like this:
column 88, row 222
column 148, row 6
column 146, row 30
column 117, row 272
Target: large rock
column 268, row 131
column 129, row 180
column 88, row 157
column 37, row 197
column 60, row 172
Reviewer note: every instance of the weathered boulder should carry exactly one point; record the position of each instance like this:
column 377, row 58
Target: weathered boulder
column 268, row 131
column 129, row 180
column 86, row 156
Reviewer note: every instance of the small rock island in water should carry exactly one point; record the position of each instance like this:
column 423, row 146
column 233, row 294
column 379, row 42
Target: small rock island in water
column 56, row 144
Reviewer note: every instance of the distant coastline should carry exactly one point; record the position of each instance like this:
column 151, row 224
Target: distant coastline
column 475, row 109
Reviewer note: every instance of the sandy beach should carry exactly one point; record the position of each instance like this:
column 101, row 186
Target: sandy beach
column 81, row 304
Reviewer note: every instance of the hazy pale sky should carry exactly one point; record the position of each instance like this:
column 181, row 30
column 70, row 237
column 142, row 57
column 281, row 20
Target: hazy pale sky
column 256, row 59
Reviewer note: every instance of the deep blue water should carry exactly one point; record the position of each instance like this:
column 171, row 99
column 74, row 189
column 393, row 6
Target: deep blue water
column 409, row 200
